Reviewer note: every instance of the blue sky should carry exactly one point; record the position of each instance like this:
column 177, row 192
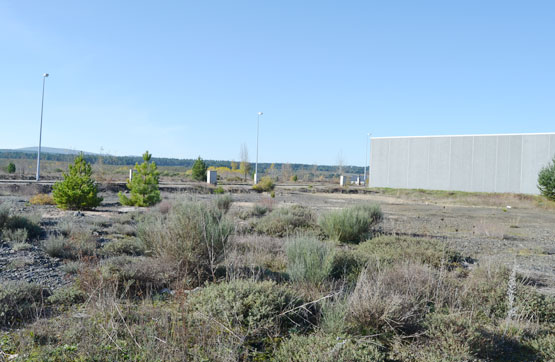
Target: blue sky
column 187, row 78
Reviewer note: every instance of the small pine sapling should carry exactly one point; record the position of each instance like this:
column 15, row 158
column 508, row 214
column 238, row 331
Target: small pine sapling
column 77, row 191
column 143, row 186
column 199, row 170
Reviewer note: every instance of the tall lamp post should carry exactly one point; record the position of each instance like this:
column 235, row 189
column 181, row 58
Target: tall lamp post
column 256, row 167
column 40, row 133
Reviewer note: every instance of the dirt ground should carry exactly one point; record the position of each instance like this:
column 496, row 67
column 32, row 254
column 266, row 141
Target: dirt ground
column 506, row 231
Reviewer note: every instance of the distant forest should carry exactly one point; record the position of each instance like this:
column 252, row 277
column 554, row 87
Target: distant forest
column 162, row 161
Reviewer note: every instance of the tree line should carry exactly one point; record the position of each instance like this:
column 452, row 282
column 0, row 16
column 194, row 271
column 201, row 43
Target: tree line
column 164, row 161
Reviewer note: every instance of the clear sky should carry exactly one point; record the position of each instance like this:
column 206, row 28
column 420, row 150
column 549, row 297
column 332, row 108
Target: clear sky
column 187, row 78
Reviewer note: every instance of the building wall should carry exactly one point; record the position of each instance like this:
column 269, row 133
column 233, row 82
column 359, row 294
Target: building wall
column 484, row 163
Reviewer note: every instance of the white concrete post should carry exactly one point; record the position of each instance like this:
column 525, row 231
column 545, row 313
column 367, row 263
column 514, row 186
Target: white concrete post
column 130, row 174
column 342, row 180
column 211, row 177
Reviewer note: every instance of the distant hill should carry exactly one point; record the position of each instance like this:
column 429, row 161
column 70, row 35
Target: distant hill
column 59, row 151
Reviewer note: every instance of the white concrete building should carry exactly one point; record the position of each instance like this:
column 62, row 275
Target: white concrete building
column 484, row 163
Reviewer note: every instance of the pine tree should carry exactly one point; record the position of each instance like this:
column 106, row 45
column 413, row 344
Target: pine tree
column 11, row 167
column 143, row 185
column 199, row 170
column 77, row 191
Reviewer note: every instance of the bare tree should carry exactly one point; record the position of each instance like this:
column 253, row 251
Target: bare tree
column 286, row 171
column 245, row 165
column 340, row 162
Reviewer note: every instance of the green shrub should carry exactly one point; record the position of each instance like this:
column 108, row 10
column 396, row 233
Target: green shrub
column 250, row 310
column 265, row 184
column 219, row 190
column 10, row 168
column 127, row 246
column 192, row 236
column 223, row 203
column 143, row 185
column 391, row 249
column 78, row 190
column 531, row 305
column 544, row 346
column 333, row 315
column 351, row 224
column 259, row 210
column 327, row 348
column 546, row 180
column 11, row 223
column 199, row 170
column 66, row 296
column 485, row 291
column 20, row 302
column 347, row 265
column 285, row 220
column 78, row 244
column 309, row 260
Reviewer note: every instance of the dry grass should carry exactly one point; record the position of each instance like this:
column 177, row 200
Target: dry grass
column 42, row 199
column 471, row 198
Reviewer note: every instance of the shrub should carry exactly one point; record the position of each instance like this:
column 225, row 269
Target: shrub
column 12, row 223
column 78, row 244
column 485, row 290
column 219, row 190
column 395, row 298
column 531, row 305
column 127, row 246
column 351, row 224
column 347, row 265
column 21, row 246
column 66, row 296
column 285, row 220
column 223, row 203
column 132, row 276
column 42, row 199
column 20, row 302
column 192, row 236
column 199, row 170
column 309, row 260
column 546, row 180
column 250, row 310
column 265, row 184
column 15, row 236
column 143, row 185
column 391, row 249
column 259, row 210
column 327, row 348
column 78, row 190
column 10, row 168
column 333, row 315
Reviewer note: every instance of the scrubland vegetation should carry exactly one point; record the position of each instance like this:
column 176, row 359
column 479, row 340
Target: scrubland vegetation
column 202, row 280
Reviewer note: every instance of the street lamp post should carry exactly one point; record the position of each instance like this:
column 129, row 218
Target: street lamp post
column 257, row 129
column 40, row 133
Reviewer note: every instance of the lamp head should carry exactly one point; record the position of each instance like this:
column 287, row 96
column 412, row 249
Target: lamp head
column 260, row 113
column 45, row 75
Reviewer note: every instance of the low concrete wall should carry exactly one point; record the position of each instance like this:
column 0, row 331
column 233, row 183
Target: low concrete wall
column 482, row 163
